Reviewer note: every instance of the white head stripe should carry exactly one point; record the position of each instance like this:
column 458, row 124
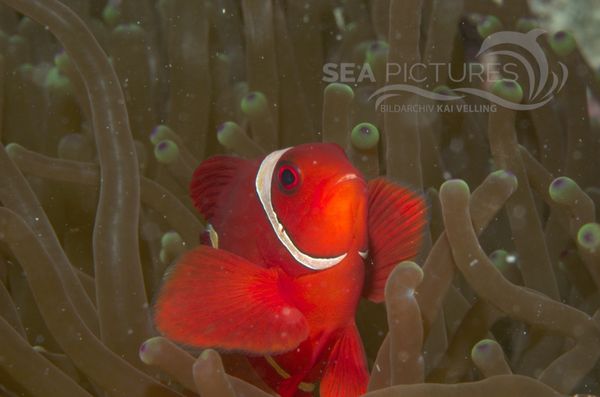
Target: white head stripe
column 263, row 189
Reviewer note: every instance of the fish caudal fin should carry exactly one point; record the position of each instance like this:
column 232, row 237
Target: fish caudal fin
column 209, row 180
column 346, row 370
column 213, row 298
column 396, row 219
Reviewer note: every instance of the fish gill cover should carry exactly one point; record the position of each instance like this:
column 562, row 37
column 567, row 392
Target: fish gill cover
column 106, row 110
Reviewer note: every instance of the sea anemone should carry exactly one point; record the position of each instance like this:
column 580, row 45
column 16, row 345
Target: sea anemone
column 107, row 108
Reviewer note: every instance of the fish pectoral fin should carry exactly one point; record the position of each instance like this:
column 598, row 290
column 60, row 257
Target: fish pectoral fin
column 213, row 298
column 346, row 372
column 396, row 220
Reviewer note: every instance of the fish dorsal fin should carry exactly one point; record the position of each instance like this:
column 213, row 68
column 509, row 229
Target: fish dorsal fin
column 396, row 220
column 210, row 179
column 213, row 298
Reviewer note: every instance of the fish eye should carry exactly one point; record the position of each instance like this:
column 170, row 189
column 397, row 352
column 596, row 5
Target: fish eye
column 289, row 177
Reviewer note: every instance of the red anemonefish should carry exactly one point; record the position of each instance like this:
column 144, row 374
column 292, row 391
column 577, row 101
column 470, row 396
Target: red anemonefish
column 301, row 237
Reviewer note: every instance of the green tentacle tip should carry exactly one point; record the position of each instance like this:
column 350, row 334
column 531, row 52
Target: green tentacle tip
column 166, row 151
column 588, row 236
column 339, row 89
column 160, row 133
column 504, row 261
column 148, row 350
column 171, row 239
column 413, row 267
column 455, row 184
column 561, row 189
column 488, row 25
column 509, row 90
column 62, row 61
column 111, row 15
column 562, row 43
column 207, row 354
column 253, row 103
column 128, row 28
column 410, row 265
column 498, row 258
column 376, row 49
column 526, row 24
column 482, row 348
column 507, row 175
column 227, row 132
column 503, row 174
column 364, row 136
column 13, row 148
column 56, row 81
